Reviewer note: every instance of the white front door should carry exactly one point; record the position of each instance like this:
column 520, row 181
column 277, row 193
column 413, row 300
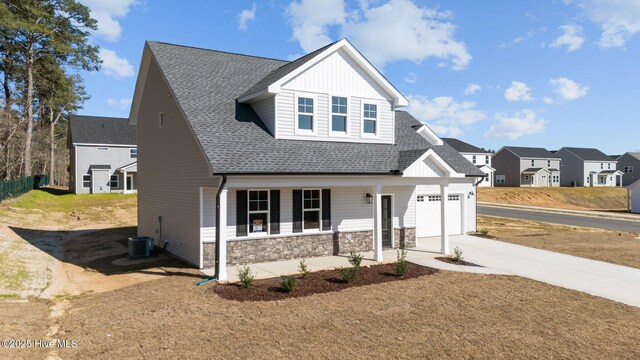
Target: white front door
column 428, row 215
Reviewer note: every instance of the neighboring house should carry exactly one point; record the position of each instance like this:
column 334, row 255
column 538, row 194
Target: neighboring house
column 481, row 158
column 103, row 155
column 634, row 197
column 526, row 166
column 588, row 167
column 629, row 164
column 257, row 159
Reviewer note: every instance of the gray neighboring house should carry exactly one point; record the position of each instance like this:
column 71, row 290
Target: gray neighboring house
column 526, row 166
column 629, row 164
column 588, row 167
column 103, row 155
column 245, row 159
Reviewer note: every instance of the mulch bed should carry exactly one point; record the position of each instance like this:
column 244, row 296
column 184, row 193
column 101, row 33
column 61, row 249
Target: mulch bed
column 317, row 283
column 454, row 262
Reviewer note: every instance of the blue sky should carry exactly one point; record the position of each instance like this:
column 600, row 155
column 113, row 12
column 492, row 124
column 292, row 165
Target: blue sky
column 529, row 73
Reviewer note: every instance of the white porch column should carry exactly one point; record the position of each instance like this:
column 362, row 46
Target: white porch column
column 222, row 241
column 125, row 182
column 444, row 232
column 377, row 223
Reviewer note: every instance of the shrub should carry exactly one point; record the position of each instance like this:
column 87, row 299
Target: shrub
column 348, row 274
column 304, row 270
column 401, row 264
column 457, row 255
column 354, row 259
column 246, row 276
column 483, row 232
column 288, row 283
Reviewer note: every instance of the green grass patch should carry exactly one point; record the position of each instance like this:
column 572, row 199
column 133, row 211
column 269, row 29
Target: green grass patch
column 8, row 296
column 13, row 274
column 43, row 200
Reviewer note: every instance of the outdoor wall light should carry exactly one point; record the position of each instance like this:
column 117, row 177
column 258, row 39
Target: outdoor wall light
column 471, row 193
column 369, row 198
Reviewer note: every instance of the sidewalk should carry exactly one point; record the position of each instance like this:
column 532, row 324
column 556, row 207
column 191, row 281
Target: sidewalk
column 604, row 214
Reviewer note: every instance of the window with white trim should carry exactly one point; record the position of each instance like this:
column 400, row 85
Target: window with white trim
column 533, row 163
column 454, row 197
column 133, row 153
column 258, row 211
column 113, row 182
column 473, row 159
column 435, row 198
column 420, row 198
column 486, row 159
column 161, row 120
column 305, row 113
column 601, row 166
column 339, row 114
column 609, row 166
column 370, row 119
column 548, row 163
column 311, row 209
column 86, row 180
column 500, row 179
column 628, row 169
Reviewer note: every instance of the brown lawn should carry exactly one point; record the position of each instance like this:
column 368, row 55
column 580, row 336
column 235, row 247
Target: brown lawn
column 585, row 198
column 445, row 315
column 604, row 245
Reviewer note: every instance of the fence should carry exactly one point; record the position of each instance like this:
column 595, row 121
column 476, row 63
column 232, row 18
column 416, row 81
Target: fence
column 17, row 187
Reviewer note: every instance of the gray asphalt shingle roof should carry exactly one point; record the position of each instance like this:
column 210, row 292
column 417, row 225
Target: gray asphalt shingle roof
column 101, row 130
column 589, row 154
column 207, row 83
column 464, row 147
column 531, row 152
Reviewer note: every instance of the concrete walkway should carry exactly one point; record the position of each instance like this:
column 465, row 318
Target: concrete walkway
column 614, row 282
column 288, row 267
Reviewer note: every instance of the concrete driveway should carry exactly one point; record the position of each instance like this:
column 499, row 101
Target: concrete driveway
column 614, row 282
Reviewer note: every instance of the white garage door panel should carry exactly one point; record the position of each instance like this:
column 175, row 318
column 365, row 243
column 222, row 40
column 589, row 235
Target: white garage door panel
column 428, row 215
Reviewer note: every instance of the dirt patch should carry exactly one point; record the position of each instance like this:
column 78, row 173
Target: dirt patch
column 603, row 245
column 586, row 198
column 318, row 283
column 22, row 321
column 446, row 315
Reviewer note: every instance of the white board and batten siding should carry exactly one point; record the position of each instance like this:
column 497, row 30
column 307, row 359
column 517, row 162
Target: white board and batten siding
column 336, row 75
column 349, row 210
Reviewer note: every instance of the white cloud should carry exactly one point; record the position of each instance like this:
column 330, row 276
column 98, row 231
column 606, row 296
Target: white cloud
column 311, row 20
column 106, row 13
column 394, row 31
column 246, row 16
column 119, row 103
column 445, row 115
column 518, row 91
column 114, row 66
column 472, row 89
column 516, row 125
column 568, row 89
column 619, row 20
column 411, row 78
column 571, row 38
column 547, row 100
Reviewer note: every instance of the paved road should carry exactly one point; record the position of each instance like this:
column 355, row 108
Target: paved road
column 565, row 219
column 615, row 282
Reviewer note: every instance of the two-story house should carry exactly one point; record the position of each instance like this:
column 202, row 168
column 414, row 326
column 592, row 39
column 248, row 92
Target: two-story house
column 481, row 158
column 588, row 167
column 103, row 155
column 246, row 159
column 629, row 164
column 526, row 166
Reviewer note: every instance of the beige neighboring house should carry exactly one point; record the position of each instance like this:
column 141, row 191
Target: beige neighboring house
column 245, row 159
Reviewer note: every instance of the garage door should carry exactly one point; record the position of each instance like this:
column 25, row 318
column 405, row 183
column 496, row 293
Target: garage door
column 428, row 215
